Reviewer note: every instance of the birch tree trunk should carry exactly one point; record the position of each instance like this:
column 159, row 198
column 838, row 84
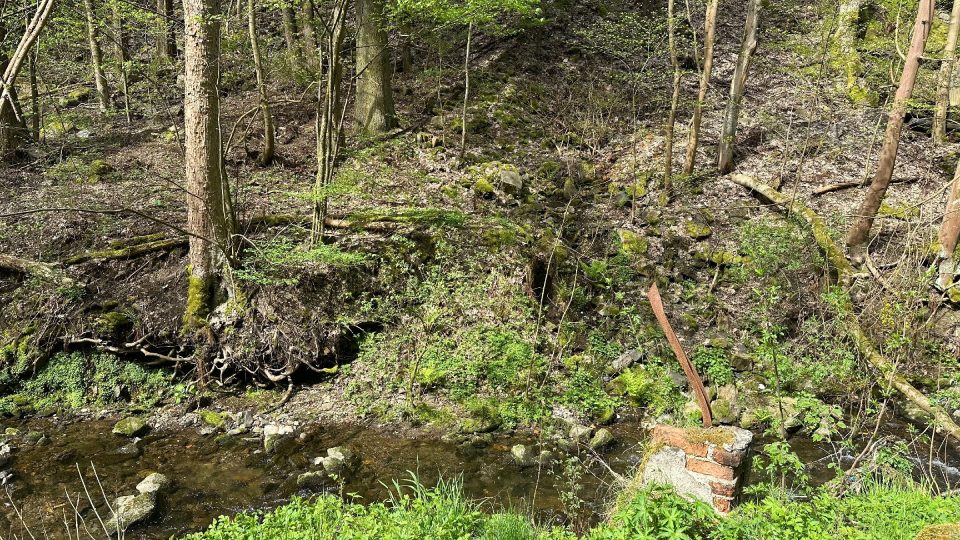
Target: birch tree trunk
column 12, row 126
column 860, row 229
column 266, row 153
column 374, row 105
column 747, row 48
column 944, row 80
column 674, row 101
column 210, row 218
column 96, row 57
column 710, row 28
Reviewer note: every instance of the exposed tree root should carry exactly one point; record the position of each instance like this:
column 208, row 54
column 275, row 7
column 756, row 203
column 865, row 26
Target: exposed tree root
column 851, row 322
column 134, row 347
column 128, row 251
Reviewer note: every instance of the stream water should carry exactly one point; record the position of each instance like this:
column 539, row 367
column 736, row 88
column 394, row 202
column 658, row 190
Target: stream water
column 215, row 475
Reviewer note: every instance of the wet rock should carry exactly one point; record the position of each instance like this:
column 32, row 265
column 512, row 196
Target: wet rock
column 546, row 458
column 213, row 419
column 274, row 434
column 603, row 437
column 311, row 480
column 624, row 361
column 130, row 509
column 523, row 455
column 6, row 454
column 11, row 431
column 154, row 483
column 338, row 460
column 33, row 437
column 6, row 477
column 131, row 426
column 580, row 433
column 479, row 425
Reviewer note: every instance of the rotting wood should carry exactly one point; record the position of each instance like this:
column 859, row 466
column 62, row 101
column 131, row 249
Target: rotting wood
column 849, row 319
column 32, row 268
column 127, row 252
column 696, row 383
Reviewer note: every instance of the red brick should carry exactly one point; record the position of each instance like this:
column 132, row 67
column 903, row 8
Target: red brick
column 723, row 490
column 677, row 438
column 710, row 468
column 730, row 459
column 723, row 504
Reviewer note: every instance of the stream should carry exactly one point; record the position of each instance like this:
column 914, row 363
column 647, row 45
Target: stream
column 218, row 474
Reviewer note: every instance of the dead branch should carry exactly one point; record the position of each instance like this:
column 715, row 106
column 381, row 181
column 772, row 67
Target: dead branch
column 32, row 268
column 830, row 188
column 848, row 317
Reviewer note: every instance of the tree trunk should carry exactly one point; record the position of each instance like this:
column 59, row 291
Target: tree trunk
column 289, row 29
column 466, row 92
column 307, row 26
column 210, row 218
column 747, row 48
column 374, row 103
column 96, row 57
column 847, row 18
column 891, row 142
column 329, row 116
column 266, row 154
column 166, row 32
column 12, row 126
column 949, row 233
column 122, row 42
column 674, row 101
column 710, row 28
column 945, row 78
column 35, row 115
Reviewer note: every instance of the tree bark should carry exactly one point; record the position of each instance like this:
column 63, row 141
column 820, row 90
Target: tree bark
column 35, row 115
column 949, row 234
column 374, row 103
column 96, row 56
column 944, row 80
column 329, row 116
column 466, row 92
column 710, row 28
column 210, row 218
column 266, row 153
column 12, row 126
column 747, row 48
column 307, row 26
column 674, row 101
column 289, row 29
column 847, row 18
column 166, row 33
column 860, row 229
column 122, row 46
column 851, row 323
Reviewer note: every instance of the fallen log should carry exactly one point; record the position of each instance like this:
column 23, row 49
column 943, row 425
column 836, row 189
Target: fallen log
column 32, row 268
column 849, row 319
column 127, row 252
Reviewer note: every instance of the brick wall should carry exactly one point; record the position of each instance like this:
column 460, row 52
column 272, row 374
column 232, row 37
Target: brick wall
column 705, row 464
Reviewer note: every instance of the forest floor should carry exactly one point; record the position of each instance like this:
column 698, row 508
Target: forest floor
column 506, row 289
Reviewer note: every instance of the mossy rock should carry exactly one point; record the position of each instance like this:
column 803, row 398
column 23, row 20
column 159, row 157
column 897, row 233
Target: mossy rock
column 719, row 257
column 637, row 189
column 632, row 243
column 550, row 170
column 698, row 231
column 113, row 323
column 213, row 419
column 76, row 97
column 131, row 426
column 483, row 187
column 479, row 424
column 947, row 531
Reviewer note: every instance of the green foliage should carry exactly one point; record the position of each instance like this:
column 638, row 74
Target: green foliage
column 650, row 386
column 583, row 391
column 275, row 262
column 657, row 513
column 714, row 363
column 487, row 14
column 72, row 381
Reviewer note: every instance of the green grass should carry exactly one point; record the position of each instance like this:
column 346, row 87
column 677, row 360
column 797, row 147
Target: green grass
column 880, row 510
